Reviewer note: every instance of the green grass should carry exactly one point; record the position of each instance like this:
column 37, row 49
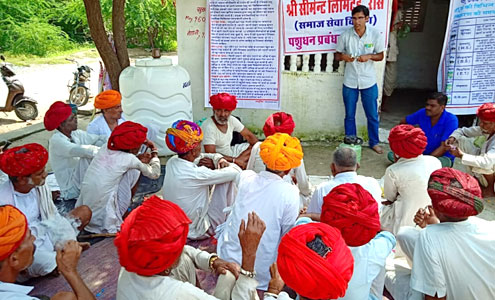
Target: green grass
column 87, row 50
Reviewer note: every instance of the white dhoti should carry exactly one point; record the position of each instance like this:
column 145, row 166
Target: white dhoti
column 124, row 193
column 222, row 197
column 467, row 145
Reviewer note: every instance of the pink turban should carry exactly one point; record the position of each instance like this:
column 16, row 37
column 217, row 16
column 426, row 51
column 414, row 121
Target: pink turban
column 407, row 141
column 487, row 112
column 223, row 101
column 126, row 136
column 352, row 209
column 279, row 122
column 23, row 160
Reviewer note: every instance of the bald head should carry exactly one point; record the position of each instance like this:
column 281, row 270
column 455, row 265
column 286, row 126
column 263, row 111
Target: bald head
column 344, row 160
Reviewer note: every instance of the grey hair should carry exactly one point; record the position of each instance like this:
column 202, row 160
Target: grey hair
column 345, row 157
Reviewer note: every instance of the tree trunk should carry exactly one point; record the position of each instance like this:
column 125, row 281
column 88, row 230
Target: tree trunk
column 99, row 36
column 118, row 26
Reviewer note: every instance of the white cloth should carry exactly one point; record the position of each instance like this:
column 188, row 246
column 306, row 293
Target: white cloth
column 455, row 259
column 393, row 47
column 360, row 75
column 12, row 291
column 99, row 126
column 368, row 183
column 405, row 184
column 132, row 286
column 369, row 261
column 276, row 202
column 213, row 136
column 65, row 156
column 101, row 184
column 188, row 186
column 481, row 160
column 3, row 177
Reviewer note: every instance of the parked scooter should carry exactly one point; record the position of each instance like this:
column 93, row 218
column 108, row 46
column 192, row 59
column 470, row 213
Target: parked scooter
column 79, row 93
column 24, row 107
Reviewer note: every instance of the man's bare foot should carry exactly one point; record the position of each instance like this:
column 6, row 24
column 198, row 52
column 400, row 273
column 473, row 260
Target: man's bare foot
column 377, row 149
column 488, row 192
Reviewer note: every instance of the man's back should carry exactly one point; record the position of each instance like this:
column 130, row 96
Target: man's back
column 456, row 259
column 276, row 202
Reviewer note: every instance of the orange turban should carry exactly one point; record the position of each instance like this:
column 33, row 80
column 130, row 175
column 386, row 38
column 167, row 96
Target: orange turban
column 152, row 237
column 310, row 274
column 279, row 122
column 126, row 136
column 281, row 152
column 183, row 136
column 23, row 160
column 487, row 112
column 223, row 101
column 352, row 209
column 57, row 113
column 407, row 141
column 455, row 193
column 13, row 228
column 107, row 99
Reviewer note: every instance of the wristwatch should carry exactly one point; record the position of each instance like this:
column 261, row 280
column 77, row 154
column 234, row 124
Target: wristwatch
column 248, row 273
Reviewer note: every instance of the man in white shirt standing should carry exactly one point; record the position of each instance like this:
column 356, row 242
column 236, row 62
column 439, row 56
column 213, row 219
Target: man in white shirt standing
column 109, row 102
column 113, row 174
column 71, row 149
column 359, row 47
column 453, row 255
column 27, row 191
column 191, row 175
column 344, row 167
column 219, row 128
column 272, row 198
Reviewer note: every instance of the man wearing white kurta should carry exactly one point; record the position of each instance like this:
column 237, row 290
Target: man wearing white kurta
column 272, row 198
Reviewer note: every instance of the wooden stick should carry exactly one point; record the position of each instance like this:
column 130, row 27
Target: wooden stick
column 97, row 235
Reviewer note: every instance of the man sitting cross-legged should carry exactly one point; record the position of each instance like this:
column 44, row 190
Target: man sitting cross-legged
column 156, row 263
column 26, row 190
column 112, row 176
column 190, row 175
column 111, row 113
column 453, row 255
column 17, row 247
column 272, row 198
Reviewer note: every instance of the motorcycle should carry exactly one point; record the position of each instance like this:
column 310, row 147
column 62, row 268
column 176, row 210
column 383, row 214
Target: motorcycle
column 79, row 93
column 23, row 106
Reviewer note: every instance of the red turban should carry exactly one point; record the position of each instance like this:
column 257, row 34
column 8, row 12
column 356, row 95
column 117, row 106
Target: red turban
column 56, row 114
column 13, row 228
column 455, row 193
column 407, row 141
column 183, row 136
column 279, row 122
column 126, row 136
column 352, row 209
column 23, row 160
column 305, row 271
column 223, row 101
column 487, row 112
column 107, row 99
column 281, row 152
column 152, row 237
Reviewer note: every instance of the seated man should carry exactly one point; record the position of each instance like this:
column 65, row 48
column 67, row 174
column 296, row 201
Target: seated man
column 26, row 190
column 17, row 247
column 112, row 176
column 344, row 167
column 219, row 128
column 187, row 180
column 272, row 198
column 71, row 149
column 111, row 113
column 156, row 263
column 314, row 261
column 453, row 254
column 437, row 124
column 405, row 181
column 354, row 211
column 480, row 160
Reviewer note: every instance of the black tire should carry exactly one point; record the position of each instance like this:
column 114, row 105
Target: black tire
column 79, row 95
column 26, row 110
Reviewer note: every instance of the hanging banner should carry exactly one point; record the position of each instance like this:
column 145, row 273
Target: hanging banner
column 312, row 26
column 467, row 67
column 242, row 52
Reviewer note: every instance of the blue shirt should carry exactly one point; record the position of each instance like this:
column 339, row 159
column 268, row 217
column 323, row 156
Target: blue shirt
column 437, row 134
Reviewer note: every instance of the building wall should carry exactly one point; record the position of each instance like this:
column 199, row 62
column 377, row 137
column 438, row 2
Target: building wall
column 420, row 51
column 314, row 99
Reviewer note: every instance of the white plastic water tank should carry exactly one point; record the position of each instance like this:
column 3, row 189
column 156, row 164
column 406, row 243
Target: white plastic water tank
column 156, row 93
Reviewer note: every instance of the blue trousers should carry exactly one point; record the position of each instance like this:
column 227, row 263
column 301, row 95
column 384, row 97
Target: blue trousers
column 369, row 98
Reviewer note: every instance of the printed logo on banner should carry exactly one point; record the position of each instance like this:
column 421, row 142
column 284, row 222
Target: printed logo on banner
column 311, row 26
